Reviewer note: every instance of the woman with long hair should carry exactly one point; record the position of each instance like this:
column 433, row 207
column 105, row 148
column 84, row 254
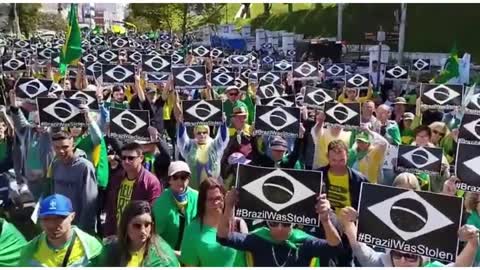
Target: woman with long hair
column 137, row 244
column 199, row 245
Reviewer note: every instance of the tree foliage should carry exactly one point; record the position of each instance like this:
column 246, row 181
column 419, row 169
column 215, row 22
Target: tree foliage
column 52, row 21
column 159, row 15
column 28, row 16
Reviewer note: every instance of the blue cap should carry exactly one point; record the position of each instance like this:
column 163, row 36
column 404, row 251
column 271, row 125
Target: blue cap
column 55, row 205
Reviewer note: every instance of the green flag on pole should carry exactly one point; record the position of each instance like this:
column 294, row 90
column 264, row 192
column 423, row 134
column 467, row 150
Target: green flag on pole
column 451, row 68
column 72, row 49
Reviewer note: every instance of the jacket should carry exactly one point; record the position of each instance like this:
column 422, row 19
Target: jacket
column 146, row 187
column 91, row 246
column 355, row 183
column 25, row 133
column 111, row 256
column 289, row 161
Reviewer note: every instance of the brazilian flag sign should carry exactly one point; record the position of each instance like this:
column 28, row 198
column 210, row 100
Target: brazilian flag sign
column 72, row 49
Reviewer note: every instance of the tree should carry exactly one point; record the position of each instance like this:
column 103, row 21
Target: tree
column 28, row 15
column 290, row 7
column 142, row 24
column 266, row 9
column 52, row 21
column 159, row 16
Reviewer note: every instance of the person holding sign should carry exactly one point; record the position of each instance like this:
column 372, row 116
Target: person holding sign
column 342, row 183
column 367, row 257
column 279, row 244
column 203, row 154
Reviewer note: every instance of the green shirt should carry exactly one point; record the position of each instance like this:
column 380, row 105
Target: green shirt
column 474, row 219
column 3, row 150
column 167, row 215
column 98, row 155
column 200, row 248
column 11, row 244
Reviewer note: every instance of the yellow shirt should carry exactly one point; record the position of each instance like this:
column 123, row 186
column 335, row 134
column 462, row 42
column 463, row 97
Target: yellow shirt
column 49, row 257
column 247, row 130
column 124, row 196
column 321, row 146
column 372, row 163
column 338, row 192
column 136, row 259
column 168, row 107
column 202, row 158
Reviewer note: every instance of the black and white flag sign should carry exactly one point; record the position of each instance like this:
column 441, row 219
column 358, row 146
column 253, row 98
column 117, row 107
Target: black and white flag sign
column 201, row 51
column 278, row 195
column 269, row 78
column 223, row 79
column 93, row 69
column 358, row 81
column 282, row 66
column 155, row 63
column 13, row 64
column 469, row 129
column 344, row 115
column 334, row 71
column 418, row 159
column 396, row 72
column 270, row 90
column 87, row 97
column 129, row 124
column 189, row 77
column 317, row 97
column 55, row 112
column 30, row 88
column 421, row 64
column 239, row 60
column 467, row 167
column 415, row 222
column 155, row 77
column 202, row 112
column 441, row 96
column 107, row 56
column 118, row 74
column 285, row 101
column 305, row 71
column 272, row 121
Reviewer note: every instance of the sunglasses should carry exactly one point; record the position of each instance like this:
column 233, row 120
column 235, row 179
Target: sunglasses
column 408, row 257
column 129, row 158
column 138, row 226
column 273, row 224
column 438, row 132
column 202, row 132
column 233, row 94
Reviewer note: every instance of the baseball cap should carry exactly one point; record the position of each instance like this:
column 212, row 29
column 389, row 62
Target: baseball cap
column 239, row 110
column 238, row 158
column 400, row 100
column 363, row 137
column 55, row 205
column 279, row 143
column 408, row 116
column 150, row 90
column 230, row 88
column 178, row 166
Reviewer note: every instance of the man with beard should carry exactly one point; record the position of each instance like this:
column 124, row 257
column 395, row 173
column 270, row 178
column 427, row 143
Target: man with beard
column 60, row 244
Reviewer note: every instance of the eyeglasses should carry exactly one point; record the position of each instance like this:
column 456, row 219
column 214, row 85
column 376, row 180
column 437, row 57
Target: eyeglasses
column 181, row 176
column 202, row 132
column 438, row 132
column 138, row 226
column 129, row 158
column 273, row 224
column 408, row 257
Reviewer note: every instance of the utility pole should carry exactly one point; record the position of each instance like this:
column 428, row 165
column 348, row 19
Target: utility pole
column 16, row 21
column 340, row 7
column 380, row 39
column 401, row 38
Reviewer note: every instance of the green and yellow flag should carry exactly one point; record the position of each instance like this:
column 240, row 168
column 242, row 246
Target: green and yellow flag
column 451, row 69
column 72, row 49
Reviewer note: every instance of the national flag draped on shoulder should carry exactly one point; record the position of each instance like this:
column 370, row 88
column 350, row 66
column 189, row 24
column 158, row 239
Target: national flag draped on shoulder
column 72, row 49
column 451, row 69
